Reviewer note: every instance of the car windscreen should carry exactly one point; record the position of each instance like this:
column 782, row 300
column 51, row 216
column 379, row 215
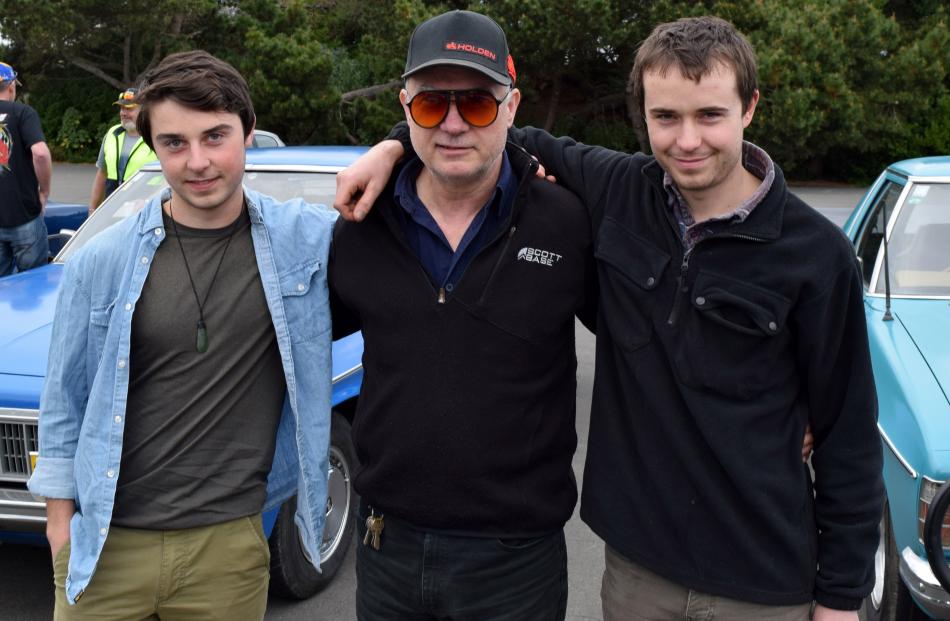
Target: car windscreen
column 313, row 187
column 919, row 243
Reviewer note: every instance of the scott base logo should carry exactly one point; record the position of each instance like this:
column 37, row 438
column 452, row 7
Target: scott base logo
column 535, row 255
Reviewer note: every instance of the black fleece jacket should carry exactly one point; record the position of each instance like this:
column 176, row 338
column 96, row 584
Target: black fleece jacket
column 465, row 422
column 708, row 368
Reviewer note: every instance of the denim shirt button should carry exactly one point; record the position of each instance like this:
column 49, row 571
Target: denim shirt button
column 128, row 306
column 121, row 364
column 301, row 286
column 144, row 259
column 103, row 532
column 158, row 231
column 110, row 474
column 118, row 419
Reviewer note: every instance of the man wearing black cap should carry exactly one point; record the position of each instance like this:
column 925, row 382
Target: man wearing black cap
column 26, row 170
column 122, row 151
column 465, row 280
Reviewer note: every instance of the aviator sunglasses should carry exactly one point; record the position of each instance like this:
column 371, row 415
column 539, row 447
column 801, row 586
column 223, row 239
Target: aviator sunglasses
column 477, row 107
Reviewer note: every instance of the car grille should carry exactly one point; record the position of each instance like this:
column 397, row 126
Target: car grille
column 17, row 439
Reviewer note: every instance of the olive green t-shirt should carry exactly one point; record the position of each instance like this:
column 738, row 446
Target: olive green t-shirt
column 200, row 428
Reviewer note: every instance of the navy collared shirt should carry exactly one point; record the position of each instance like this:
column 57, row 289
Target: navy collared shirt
column 445, row 266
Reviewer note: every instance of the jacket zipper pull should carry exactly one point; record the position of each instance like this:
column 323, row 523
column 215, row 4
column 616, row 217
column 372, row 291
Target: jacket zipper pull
column 681, row 288
column 441, row 299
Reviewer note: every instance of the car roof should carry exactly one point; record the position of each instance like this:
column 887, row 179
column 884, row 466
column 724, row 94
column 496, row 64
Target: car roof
column 937, row 166
column 341, row 156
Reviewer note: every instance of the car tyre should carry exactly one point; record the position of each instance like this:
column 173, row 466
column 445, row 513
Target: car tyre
column 292, row 575
column 889, row 599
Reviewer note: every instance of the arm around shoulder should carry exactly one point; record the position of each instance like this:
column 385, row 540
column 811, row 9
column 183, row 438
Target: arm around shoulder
column 834, row 360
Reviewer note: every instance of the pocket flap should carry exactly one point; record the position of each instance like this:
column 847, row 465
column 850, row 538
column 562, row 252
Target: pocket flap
column 101, row 315
column 743, row 307
column 297, row 281
column 631, row 255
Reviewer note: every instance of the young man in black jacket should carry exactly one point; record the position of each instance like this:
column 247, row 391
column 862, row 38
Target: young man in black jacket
column 465, row 281
column 730, row 316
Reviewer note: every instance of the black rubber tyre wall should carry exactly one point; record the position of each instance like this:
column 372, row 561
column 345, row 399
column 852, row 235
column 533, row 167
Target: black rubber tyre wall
column 291, row 575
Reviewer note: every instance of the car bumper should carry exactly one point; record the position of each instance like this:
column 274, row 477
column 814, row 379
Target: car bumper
column 22, row 512
column 923, row 585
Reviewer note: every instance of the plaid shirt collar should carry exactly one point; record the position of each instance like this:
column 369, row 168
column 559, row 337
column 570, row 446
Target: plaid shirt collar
column 757, row 162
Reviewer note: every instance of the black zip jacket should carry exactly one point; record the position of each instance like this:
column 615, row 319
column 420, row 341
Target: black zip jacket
column 465, row 422
column 708, row 368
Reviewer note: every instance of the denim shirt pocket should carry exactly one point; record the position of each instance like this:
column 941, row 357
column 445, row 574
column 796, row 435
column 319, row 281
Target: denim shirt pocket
column 99, row 319
column 304, row 293
column 630, row 269
column 731, row 342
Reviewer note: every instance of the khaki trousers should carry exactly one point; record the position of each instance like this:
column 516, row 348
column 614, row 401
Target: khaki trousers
column 208, row 573
column 632, row 593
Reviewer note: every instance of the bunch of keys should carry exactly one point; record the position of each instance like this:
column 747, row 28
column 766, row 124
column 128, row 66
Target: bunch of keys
column 374, row 530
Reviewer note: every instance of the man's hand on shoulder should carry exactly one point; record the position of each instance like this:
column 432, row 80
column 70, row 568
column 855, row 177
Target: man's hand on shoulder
column 829, row 614
column 359, row 185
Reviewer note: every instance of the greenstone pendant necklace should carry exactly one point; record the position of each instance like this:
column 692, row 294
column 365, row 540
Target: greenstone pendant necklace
column 201, row 340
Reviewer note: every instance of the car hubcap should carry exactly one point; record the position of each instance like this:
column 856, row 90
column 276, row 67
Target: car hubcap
column 338, row 504
column 877, row 594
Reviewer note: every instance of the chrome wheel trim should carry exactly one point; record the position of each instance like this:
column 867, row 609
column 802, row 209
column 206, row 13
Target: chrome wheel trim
column 339, row 491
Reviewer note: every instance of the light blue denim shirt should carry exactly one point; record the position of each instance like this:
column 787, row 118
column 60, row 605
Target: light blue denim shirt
column 82, row 409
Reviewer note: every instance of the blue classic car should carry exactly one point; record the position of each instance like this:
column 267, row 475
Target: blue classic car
column 27, row 302
column 907, row 306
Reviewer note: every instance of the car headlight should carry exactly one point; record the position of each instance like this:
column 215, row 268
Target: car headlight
column 928, row 489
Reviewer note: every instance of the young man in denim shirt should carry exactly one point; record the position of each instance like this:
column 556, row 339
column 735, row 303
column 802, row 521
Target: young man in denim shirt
column 189, row 375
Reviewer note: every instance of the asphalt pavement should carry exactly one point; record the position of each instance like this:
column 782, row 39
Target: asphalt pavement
column 26, row 573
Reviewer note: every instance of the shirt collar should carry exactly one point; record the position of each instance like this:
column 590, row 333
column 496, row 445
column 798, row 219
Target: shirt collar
column 408, row 198
column 756, row 161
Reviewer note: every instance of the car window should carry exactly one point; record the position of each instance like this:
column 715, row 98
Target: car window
column 919, row 243
column 870, row 239
column 313, row 187
column 263, row 141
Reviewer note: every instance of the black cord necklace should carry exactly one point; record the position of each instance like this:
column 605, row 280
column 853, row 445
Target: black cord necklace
column 201, row 340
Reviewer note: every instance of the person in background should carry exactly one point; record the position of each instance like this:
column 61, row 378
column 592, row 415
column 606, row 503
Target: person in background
column 26, row 172
column 122, row 153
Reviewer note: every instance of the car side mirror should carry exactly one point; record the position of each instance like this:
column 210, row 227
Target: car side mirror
column 933, row 535
column 58, row 240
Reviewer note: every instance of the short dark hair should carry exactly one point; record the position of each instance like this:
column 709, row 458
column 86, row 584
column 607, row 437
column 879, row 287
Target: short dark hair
column 197, row 80
column 694, row 46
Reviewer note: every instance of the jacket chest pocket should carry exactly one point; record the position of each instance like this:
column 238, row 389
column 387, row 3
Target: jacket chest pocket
column 630, row 269
column 303, row 291
column 731, row 340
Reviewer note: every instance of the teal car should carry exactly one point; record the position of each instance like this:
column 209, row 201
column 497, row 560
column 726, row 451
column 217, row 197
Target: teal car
column 907, row 306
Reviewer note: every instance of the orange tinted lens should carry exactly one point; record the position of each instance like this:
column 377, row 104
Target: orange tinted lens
column 477, row 108
column 429, row 108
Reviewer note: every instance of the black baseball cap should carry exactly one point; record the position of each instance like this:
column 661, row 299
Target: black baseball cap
column 464, row 39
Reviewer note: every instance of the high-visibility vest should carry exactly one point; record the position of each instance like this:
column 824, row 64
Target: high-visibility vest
column 112, row 146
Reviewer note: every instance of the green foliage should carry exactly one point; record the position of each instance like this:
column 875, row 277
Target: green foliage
column 846, row 85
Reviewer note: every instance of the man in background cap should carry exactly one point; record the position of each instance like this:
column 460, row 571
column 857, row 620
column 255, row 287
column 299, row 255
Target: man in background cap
column 122, row 152
column 465, row 280
column 26, row 170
